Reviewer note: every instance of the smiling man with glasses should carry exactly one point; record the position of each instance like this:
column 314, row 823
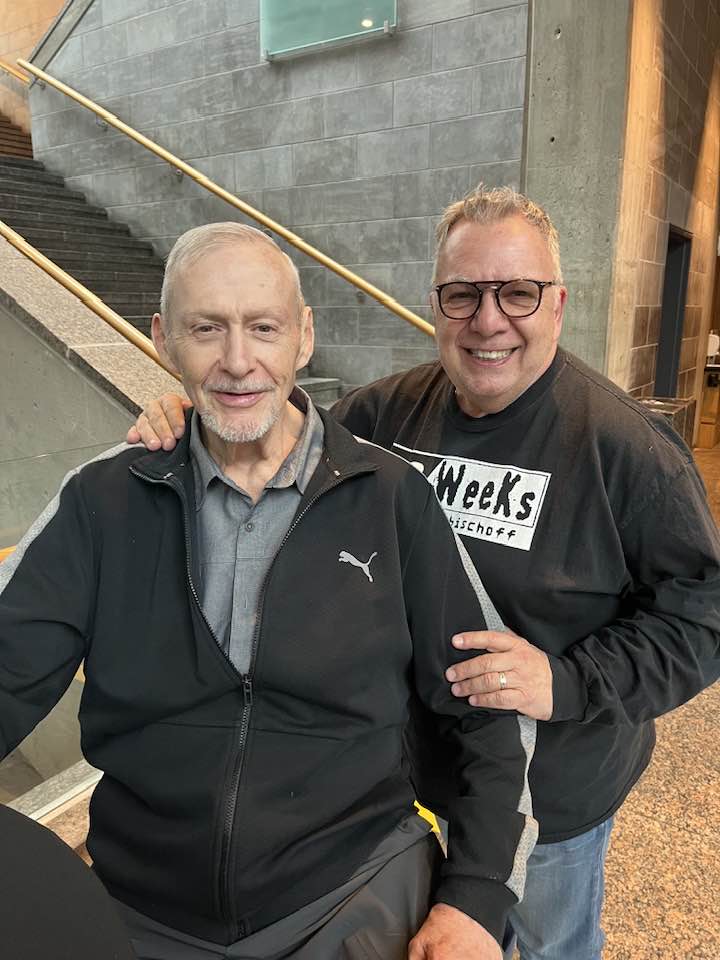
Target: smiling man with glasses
column 588, row 523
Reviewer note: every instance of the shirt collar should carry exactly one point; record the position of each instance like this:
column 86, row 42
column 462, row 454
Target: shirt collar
column 297, row 468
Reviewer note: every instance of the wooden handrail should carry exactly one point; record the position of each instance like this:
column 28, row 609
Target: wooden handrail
column 372, row 291
column 95, row 304
column 9, row 68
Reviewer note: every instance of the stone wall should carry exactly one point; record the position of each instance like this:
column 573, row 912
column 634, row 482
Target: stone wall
column 670, row 178
column 574, row 149
column 357, row 149
column 69, row 389
column 22, row 23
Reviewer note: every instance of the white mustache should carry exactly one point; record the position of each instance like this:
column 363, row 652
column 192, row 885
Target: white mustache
column 238, row 386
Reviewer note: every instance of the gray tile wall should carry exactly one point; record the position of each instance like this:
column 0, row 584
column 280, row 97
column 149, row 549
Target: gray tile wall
column 357, row 149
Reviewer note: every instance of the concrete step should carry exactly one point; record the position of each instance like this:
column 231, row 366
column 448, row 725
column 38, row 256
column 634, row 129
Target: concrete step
column 9, row 129
column 102, row 229
column 37, row 188
column 76, row 240
column 11, row 150
column 141, row 323
column 22, row 163
column 11, row 201
column 15, row 138
column 71, row 261
column 33, row 173
column 141, row 297
column 134, row 305
column 150, row 284
column 324, row 391
column 96, row 222
column 148, row 273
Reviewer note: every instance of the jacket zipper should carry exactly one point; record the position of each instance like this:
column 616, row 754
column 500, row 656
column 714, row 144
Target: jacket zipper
column 237, row 927
column 226, row 898
column 231, row 793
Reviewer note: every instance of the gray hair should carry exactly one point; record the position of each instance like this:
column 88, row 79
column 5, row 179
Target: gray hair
column 192, row 244
column 490, row 206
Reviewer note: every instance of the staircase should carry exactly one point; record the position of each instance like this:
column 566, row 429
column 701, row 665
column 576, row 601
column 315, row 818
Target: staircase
column 14, row 142
column 123, row 271
column 101, row 253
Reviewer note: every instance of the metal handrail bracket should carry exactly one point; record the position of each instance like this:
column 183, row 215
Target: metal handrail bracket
column 372, row 291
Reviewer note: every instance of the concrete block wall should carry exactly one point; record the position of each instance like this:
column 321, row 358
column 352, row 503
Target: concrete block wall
column 670, row 179
column 357, row 149
column 574, row 150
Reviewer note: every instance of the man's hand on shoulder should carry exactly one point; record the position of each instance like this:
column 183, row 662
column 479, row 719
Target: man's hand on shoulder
column 512, row 675
column 161, row 424
column 450, row 934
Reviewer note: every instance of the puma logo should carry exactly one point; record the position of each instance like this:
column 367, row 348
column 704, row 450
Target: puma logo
column 346, row 557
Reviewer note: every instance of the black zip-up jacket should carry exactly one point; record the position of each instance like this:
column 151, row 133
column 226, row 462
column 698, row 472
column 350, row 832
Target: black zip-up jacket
column 230, row 801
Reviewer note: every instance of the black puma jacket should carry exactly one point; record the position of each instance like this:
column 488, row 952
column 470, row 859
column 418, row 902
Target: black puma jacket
column 229, row 801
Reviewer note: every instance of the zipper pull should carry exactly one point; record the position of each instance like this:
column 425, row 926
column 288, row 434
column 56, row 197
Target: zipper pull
column 248, row 691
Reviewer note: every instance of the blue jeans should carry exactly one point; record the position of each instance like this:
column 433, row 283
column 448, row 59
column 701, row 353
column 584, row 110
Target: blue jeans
column 559, row 916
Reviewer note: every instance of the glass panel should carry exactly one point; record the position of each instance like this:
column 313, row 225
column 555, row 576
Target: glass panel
column 285, row 27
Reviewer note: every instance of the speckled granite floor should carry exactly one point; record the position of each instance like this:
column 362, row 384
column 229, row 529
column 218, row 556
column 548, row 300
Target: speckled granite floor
column 663, row 876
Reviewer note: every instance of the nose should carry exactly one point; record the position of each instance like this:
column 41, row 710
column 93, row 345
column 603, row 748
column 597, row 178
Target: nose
column 488, row 319
column 237, row 359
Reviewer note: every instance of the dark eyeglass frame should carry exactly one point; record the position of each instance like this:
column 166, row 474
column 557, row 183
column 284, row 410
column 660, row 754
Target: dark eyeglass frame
column 496, row 286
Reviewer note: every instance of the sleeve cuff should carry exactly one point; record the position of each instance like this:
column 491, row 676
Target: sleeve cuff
column 569, row 692
column 485, row 901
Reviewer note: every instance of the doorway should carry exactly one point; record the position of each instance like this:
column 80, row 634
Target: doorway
column 677, row 268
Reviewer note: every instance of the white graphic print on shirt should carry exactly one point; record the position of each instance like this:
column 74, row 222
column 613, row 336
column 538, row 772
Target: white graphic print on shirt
column 487, row 501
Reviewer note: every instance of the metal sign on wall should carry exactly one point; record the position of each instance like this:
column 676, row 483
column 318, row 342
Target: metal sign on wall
column 288, row 29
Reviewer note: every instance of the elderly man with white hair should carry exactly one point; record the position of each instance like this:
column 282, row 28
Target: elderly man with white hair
column 259, row 612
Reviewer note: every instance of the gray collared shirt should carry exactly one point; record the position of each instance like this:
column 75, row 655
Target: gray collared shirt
column 237, row 539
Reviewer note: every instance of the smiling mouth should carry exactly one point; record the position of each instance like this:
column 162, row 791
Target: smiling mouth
column 490, row 354
column 233, row 398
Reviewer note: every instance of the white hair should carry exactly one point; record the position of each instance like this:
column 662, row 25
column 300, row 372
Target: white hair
column 193, row 244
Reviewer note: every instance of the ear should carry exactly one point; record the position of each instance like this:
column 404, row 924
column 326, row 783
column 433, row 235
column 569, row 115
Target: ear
column 435, row 305
column 160, row 340
column 307, row 338
column 559, row 309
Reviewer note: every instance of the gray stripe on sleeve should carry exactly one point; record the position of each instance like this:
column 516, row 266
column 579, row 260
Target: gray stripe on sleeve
column 528, row 737
column 10, row 565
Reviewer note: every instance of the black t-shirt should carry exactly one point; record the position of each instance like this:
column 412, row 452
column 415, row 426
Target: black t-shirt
column 586, row 519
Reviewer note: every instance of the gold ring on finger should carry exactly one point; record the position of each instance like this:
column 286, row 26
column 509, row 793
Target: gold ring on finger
column 503, row 680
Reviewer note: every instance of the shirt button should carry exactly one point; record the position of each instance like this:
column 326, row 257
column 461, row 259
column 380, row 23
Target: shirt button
column 249, row 526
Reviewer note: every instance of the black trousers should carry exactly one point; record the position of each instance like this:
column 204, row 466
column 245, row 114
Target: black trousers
column 372, row 916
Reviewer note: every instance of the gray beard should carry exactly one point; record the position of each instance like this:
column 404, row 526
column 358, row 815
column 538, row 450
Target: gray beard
column 240, row 434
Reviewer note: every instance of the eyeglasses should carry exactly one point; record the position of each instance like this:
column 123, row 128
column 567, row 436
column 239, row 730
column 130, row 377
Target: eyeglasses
column 461, row 299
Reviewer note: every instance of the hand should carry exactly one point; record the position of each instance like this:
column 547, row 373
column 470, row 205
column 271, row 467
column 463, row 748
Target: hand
column 528, row 687
column 450, row 934
column 161, row 424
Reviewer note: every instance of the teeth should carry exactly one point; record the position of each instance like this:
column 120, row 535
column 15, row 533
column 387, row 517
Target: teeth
column 491, row 354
